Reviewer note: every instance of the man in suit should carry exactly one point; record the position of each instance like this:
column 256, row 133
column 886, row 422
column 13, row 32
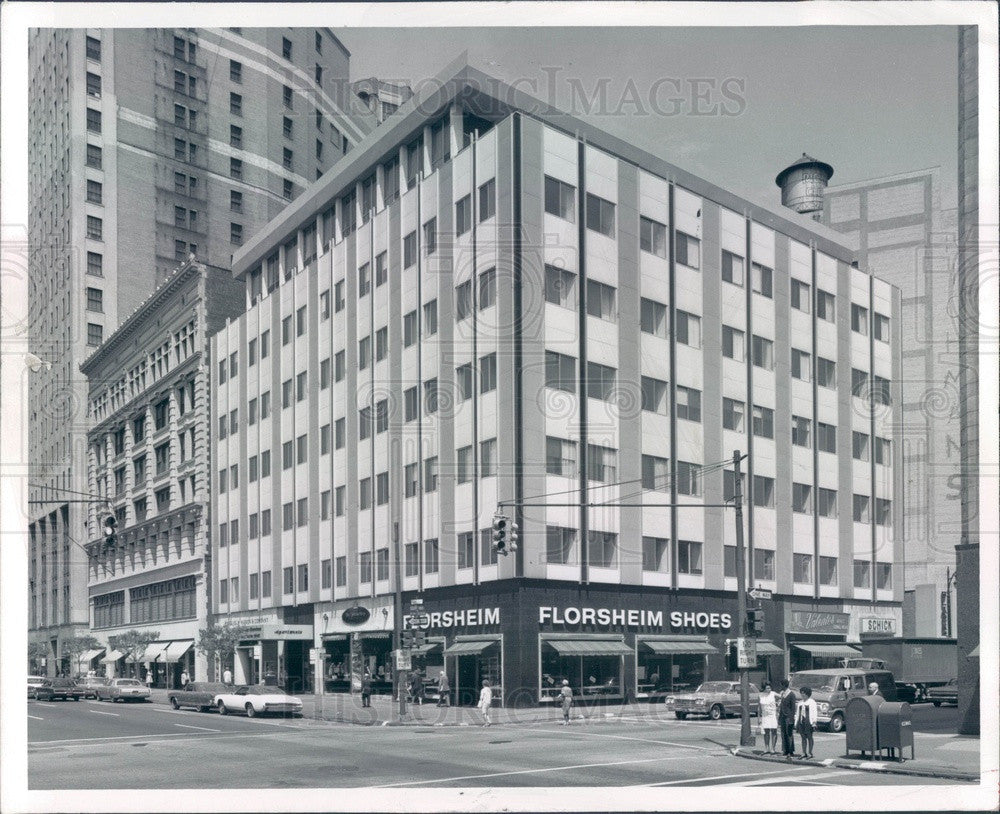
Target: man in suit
column 786, row 718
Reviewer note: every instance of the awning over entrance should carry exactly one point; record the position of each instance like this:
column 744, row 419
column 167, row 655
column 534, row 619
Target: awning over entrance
column 470, row 647
column 430, row 647
column 589, row 647
column 152, row 652
column 767, row 648
column 175, row 650
column 679, row 646
column 90, row 655
column 112, row 657
column 836, row 651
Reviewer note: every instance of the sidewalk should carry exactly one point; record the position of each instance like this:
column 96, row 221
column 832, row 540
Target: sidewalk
column 954, row 757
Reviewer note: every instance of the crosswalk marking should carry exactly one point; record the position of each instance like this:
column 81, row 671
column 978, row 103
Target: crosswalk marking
column 98, row 712
column 203, row 728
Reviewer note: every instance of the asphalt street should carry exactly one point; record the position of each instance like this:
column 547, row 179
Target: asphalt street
column 93, row 745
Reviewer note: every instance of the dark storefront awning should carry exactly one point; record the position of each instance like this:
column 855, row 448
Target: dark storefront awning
column 680, row 647
column 590, row 647
column 836, row 651
column 766, row 648
column 429, row 647
column 470, row 647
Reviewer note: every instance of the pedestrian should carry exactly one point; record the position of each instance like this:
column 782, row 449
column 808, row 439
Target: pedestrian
column 873, row 689
column 769, row 719
column 444, row 690
column 227, row 676
column 366, row 689
column 805, row 721
column 786, row 719
column 184, row 678
column 486, row 701
column 566, row 699
column 416, row 688
column 149, row 678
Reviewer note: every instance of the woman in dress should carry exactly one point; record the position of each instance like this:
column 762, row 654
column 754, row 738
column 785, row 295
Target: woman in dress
column 805, row 721
column 566, row 699
column 769, row 719
column 485, row 701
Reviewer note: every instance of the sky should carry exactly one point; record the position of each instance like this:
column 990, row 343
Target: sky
column 733, row 105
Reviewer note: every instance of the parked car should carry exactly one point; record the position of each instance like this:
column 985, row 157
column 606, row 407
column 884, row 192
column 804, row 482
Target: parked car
column 945, row 694
column 34, row 682
column 90, row 685
column 64, row 689
column 834, row 687
column 716, row 699
column 198, row 694
column 123, row 689
column 256, row 700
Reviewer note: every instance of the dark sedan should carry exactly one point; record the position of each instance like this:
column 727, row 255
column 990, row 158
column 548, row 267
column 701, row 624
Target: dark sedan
column 945, row 694
column 197, row 694
column 63, row 689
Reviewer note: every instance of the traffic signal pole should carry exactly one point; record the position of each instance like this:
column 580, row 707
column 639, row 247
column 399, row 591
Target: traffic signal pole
column 397, row 623
column 746, row 738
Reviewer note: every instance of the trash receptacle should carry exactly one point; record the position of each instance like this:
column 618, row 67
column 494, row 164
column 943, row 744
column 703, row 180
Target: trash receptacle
column 861, row 723
column 895, row 727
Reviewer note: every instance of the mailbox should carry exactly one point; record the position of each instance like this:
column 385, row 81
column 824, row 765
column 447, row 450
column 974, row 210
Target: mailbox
column 895, row 727
column 861, row 723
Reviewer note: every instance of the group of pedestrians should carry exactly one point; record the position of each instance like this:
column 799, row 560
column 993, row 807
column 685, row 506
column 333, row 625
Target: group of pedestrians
column 786, row 713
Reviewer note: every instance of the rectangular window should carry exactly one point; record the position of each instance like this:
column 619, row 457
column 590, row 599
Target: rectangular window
column 466, row 549
column 733, row 412
column 235, row 168
column 286, row 127
column 763, row 280
column 364, row 352
column 300, row 321
column 883, row 451
column 860, row 446
column 409, row 250
column 95, row 192
column 235, row 104
column 882, row 325
column 339, row 366
column 880, row 390
column 802, row 498
column 382, row 564
column 288, row 579
column 801, row 365
column 689, row 557
column 800, row 296
column 688, row 250
column 340, row 500
column 652, row 237
column 464, row 381
column 826, row 502
column 602, row 549
column 94, row 156
column 95, row 334
column 732, row 268
column 93, row 49
column 688, row 329
column 862, row 509
column 826, row 305
column 763, row 491
column 600, row 215
column 859, row 319
column 883, row 576
column 431, row 474
column 688, row 403
column 655, row 473
column 430, row 318
column 301, row 449
column 236, row 234
column 688, row 479
column 560, row 371
column 463, row 215
column 654, row 395
column 600, row 381
column 560, row 287
column 862, row 574
column 487, row 373
column 431, row 396
column 826, row 372
column 763, row 352
column 431, row 556
column 463, row 465
column 95, row 228
column 883, row 512
column 95, row 300
column 827, row 570
column 560, row 457
column 340, row 433
column 365, row 494
column 93, row 120
column 655, row 554
column 487, row 289
column 364, row 423
column 487, row 200
column 826, row 437
column 411, row 480
column 733, row 346
column 463, row 301
column 802, row 569
column 286, row 48
column 287, row 455
column 286, row 394
column 488, row 458
column 602, row 464
column 559, row 544
column 411, row 402
column 560, row 199
column 763, row 563
column 601, row 301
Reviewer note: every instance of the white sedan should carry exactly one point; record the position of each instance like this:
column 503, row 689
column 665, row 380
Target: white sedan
column 257, row 699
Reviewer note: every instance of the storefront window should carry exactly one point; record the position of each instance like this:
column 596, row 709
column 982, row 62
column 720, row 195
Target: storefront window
column 589, row 676
column 656, row 672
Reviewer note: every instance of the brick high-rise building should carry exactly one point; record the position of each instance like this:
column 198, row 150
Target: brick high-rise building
column 147, row 145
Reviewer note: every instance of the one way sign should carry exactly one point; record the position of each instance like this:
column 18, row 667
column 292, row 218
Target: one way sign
column 760, row 593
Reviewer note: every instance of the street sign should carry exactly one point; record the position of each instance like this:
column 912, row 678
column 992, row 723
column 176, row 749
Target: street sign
column 403, row 660
column 420, row 620
column 760, row 593
column 746, row 652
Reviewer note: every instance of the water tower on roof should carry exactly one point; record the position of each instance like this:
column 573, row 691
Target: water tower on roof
column 802, row 185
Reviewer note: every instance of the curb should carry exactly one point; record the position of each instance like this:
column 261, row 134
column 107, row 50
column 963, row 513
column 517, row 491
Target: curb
column 881, row 767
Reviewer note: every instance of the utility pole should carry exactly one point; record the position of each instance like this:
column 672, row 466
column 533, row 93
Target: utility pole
column 746, row 739
column 397, row 623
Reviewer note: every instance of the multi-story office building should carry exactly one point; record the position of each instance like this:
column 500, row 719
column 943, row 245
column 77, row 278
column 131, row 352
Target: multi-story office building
column 147, row 145
column 491, row 302
column 148, row 454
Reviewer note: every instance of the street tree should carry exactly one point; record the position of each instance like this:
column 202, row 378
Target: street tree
column 74, row 648
column 37, row 652
column 219, row 642
column 133, row 643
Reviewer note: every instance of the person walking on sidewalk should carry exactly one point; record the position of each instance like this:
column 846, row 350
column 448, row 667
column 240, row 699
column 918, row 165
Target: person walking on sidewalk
column 366, row 689
column 787, row 705
column 805, row 721
column 566, row 699
column 444, row 690
column 769, row 719
column 486, row 701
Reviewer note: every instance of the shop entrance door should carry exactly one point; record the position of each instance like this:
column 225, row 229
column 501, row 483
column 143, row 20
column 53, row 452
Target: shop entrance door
column 297, row 667
column 467, row 685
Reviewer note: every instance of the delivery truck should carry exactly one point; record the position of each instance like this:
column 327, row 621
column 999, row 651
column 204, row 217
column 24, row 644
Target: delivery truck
column 916, row 664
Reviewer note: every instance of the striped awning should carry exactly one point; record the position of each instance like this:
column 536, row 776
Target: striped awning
column 836, row 651
column 152, row 652
column 90, row 655
column 470, row 647
column 176, row 649
column 590, row 647
column 680, row 646
column 112, row 657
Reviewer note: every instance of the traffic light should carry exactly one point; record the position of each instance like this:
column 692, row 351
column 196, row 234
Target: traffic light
column 419, row 638
column 408, row 637
column 755, row 621
column 110, row 524
column 732, row 661
column 500, row 530
column 512, row 545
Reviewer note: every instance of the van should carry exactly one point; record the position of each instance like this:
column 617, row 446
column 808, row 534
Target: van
column 833, row 688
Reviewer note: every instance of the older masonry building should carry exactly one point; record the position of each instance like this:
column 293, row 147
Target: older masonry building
column 489, row 301
column 149, row 454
